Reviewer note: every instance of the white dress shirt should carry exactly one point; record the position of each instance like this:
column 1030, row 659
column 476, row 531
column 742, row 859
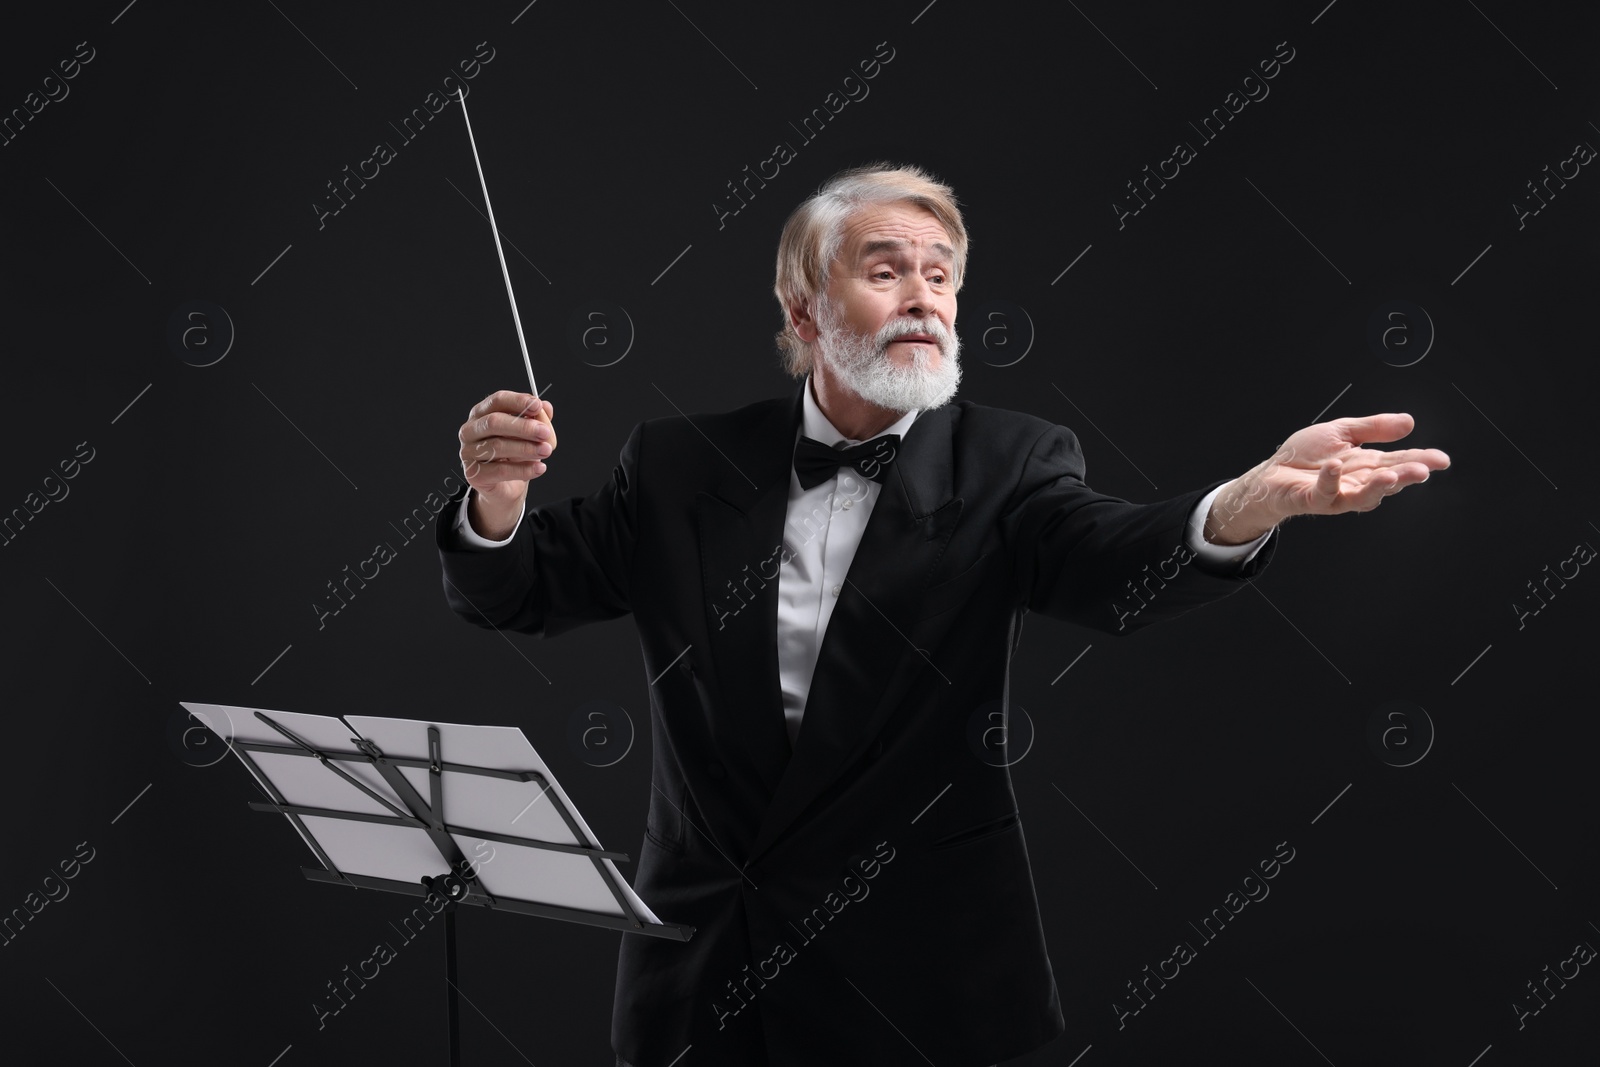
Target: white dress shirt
column 823, row 529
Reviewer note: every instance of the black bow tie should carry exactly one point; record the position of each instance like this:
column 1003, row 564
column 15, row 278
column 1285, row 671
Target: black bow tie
column 815, row 462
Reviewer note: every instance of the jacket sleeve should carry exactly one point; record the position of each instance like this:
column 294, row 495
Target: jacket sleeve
column 1101, row 561
column 570, row 562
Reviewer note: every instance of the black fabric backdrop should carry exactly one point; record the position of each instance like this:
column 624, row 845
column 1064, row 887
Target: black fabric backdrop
column 251, row 391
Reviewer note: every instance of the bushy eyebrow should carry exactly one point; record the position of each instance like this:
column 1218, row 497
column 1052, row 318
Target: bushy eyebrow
column 875, row 248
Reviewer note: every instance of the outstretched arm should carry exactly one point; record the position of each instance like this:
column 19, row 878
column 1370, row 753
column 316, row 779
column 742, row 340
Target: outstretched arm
column 1102, row 561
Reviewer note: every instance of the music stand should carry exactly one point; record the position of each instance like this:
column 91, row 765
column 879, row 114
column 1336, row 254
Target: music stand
column 397, row 804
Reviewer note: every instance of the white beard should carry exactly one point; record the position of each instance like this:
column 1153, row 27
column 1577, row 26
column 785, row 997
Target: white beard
column 863, row 366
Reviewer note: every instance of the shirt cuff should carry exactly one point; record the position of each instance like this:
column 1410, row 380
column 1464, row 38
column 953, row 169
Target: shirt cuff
column 1221, row 555
column 472, row 538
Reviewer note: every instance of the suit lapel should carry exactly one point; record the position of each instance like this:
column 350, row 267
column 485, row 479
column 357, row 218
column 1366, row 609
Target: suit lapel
column 741, row 531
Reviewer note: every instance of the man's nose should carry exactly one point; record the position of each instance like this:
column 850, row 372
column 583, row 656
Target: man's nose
column 918, row 299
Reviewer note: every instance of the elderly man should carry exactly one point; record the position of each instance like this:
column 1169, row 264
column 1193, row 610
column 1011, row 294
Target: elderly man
column 828, row 587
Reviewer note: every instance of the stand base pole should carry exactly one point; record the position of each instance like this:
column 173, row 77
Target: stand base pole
column 450, row 978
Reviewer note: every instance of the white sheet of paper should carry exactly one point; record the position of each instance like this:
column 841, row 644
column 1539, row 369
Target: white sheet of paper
column 471, row 801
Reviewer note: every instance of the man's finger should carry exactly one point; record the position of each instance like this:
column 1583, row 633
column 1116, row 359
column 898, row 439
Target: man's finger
column 506, row 400
column 1381, row 485
column 493, row 449
column 506, row 424
column 1387, row 427
column 1432, row 458
column 1328, row 476
column 1410, row 474
column 1372, row 486
column 484, row 475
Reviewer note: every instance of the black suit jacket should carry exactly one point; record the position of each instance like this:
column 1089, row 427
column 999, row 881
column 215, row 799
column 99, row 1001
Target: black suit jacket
column 844, row 914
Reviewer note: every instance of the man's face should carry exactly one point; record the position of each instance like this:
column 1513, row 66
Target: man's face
column 886, row 328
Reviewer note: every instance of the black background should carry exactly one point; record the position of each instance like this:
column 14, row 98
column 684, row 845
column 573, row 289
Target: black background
column 1182, row 347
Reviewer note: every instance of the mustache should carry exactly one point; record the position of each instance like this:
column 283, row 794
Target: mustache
column 934, row 328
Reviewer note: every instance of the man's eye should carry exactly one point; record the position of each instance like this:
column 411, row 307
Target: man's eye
column 884, row 274
column 938, row 278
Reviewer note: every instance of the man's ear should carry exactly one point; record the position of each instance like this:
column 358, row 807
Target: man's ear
column 804, row 325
